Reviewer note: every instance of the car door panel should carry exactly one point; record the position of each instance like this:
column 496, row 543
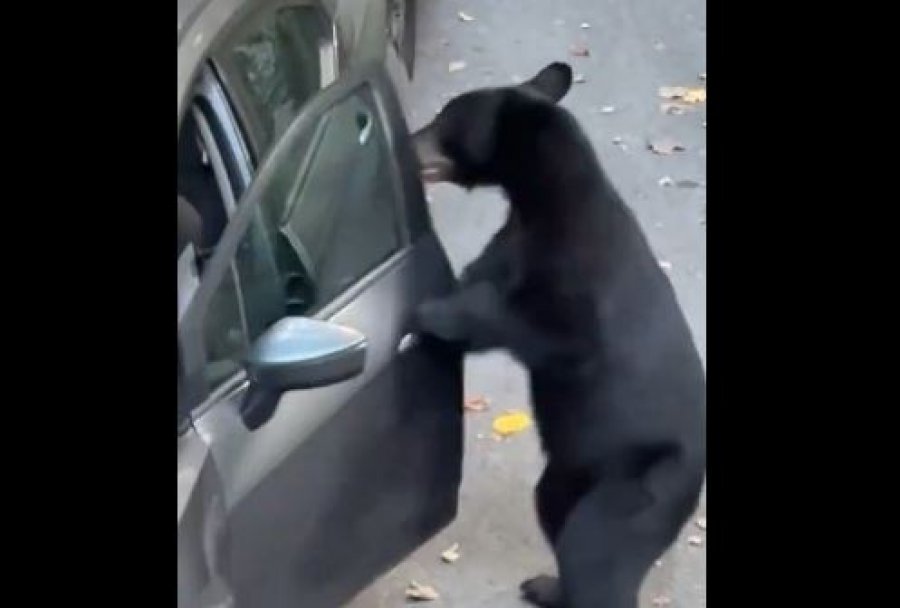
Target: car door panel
column 343, row 480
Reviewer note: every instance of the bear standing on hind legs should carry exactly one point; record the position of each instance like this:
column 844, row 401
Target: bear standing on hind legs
column 570, row 287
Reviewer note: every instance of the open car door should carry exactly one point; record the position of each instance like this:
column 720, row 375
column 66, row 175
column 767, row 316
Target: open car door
column 303, row 498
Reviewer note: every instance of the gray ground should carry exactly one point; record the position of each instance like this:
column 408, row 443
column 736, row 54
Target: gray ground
column 635, row 47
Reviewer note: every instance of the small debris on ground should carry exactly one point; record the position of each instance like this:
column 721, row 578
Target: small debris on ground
column 478, row 403
column 658, row 563
column 511, row 423
column 421, row 593
column 675, row 108
column 456, row 66
column 665, row 180
column 585, row 25
column 685, row 94
column 579, row 50
column 665, row 146
column 451, row 554
column 579, row 78
column 688, row 183
column 695, row 541
column 607, row 109
column 465, row 17
column 665, row 264
column 701, row 523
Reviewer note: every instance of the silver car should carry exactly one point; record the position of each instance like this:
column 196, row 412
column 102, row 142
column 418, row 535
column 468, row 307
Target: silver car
column 318, row 441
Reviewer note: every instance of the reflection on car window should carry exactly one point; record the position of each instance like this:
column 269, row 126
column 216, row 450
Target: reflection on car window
column 280, row 64
column 326, row 216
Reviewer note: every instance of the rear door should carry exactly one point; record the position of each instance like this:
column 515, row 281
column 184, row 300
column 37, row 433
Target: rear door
column 306, row 507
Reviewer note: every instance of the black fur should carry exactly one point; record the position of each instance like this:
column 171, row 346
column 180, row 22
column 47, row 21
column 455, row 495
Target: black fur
column 570, row 286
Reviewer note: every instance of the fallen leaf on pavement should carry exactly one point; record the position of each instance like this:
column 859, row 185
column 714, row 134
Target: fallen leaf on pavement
column 456, row 66
column 421, row 593
column 451, row 554
column 579, row 50
column 665, row 146
column 695, row 541
column 701, row 523
column 476, row 404
column 511, row 423
column 685, row 94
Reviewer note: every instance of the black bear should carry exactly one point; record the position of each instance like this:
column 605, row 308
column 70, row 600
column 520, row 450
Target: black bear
column 571, row 288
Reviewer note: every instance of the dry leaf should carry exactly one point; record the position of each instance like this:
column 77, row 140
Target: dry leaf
column 421, row 593
column 665, row 146
column 579, row 78
column 695, row 541
column 456, row 66
column 662, row 600
column 579, row 50
column 695, row 96
column 701, row 523
column 451, row 554
column 464, row 16
column 511, row 423
column 476, row 404
column 685, row 94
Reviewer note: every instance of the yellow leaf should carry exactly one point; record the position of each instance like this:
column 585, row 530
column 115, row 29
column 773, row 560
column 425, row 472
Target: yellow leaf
column 694, row 96
column 684, row 94
column 421, row 593
column 511, row 423
column 451, row 554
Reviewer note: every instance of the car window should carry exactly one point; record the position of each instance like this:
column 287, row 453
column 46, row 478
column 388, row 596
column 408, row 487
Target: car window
column 326, row 215
column 273, row 65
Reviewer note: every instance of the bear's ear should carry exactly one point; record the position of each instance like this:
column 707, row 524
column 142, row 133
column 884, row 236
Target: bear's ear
column 554, row 81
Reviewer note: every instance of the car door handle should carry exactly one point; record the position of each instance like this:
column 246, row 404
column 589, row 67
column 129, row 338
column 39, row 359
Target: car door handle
column 364, row 124
column 406, row 342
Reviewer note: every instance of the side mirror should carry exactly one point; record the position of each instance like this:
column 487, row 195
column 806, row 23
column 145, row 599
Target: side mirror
column 297, row 353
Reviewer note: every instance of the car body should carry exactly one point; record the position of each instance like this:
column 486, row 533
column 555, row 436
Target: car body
column 319, row 442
